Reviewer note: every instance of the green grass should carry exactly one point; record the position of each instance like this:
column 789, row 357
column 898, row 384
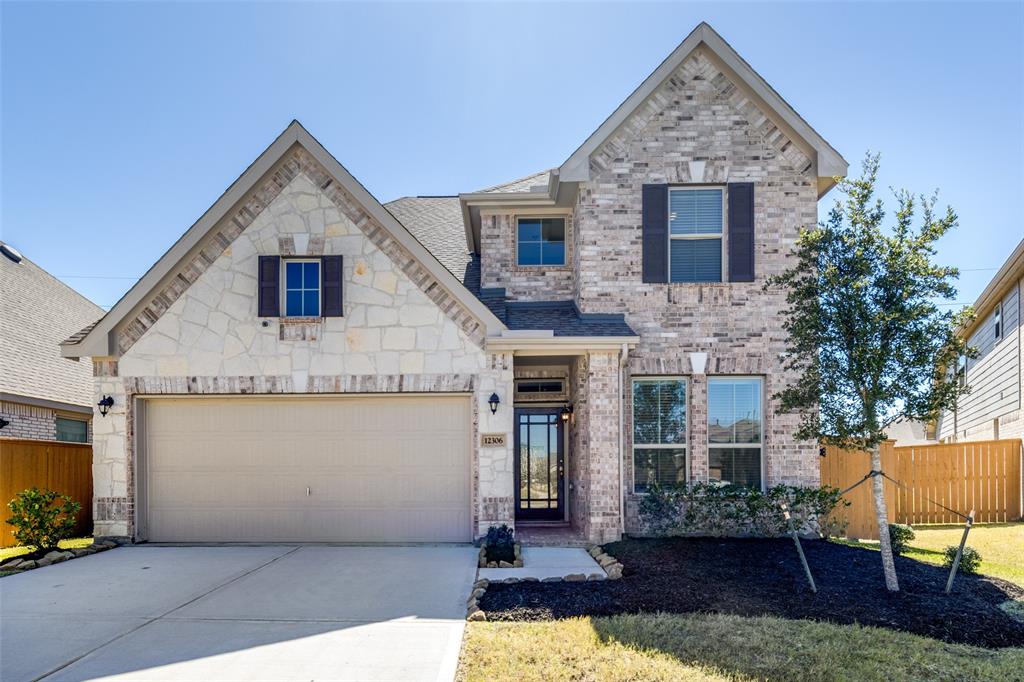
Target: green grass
column 717, row 647
column 11, row 552
column 1001, row 546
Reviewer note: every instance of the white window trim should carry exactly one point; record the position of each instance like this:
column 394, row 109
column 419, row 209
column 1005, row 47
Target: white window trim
column 284, row 286
column 720, row 235
column 565, row 240
column 684, row 446
column 721, row 446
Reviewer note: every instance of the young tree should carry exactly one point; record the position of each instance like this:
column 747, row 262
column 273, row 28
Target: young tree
column 865, row 334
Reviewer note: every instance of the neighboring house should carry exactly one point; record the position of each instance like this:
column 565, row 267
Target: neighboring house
column 992, row 409
column 306, row 364
column 43, row 396
column 911, row 432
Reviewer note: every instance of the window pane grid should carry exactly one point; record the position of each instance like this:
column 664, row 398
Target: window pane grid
column 696, row 220
column 540, row 241
column 695, row 211
column 302, row 288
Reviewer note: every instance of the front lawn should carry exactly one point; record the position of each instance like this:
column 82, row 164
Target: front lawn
column 11, row 552
column 717, row 647
column 1001, row 546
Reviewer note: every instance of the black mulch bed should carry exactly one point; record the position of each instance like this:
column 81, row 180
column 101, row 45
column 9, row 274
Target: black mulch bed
column 764, row 577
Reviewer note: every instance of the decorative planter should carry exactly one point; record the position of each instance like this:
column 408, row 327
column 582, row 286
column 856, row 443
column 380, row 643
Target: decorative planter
column 612, row 567
column 517, row 563
column 20, row 563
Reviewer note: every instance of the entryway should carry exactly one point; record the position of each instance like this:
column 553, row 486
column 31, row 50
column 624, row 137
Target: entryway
column 539, row 464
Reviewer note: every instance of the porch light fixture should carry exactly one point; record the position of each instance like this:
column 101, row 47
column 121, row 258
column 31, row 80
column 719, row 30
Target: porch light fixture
column 3, row 422
column 105, row 403
column 493, row 401
column 565, row 413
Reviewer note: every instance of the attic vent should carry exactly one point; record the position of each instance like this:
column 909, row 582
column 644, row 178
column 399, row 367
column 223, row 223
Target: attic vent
column 12, row 253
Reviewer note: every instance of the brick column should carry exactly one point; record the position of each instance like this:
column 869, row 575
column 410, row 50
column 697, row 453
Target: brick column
column 602, row 405
column 697, row 424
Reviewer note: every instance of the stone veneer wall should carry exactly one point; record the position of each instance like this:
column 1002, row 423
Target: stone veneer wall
column 524, row 283
column 699, row 116
column 395, row 337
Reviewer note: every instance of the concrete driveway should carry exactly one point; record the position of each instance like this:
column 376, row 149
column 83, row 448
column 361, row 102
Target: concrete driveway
column 239, row 613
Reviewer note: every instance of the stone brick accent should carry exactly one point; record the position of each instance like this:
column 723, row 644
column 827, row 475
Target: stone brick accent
column 298, row 163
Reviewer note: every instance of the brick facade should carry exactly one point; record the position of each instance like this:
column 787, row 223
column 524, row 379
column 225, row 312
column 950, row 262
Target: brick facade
column 525, row 283
column 33, row 422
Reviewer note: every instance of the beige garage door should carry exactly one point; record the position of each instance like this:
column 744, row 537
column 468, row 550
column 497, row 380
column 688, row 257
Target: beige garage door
column 316, row 469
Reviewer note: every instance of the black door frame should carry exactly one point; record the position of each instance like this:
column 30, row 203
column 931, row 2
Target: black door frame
column 556, row 513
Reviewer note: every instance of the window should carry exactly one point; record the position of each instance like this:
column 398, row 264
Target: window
column 659, row 433
column 540, row 241
column 961, row 370
column 999, row 320
column 695, row 234
column 302, row 288
column 72, row 430
column 734, row 431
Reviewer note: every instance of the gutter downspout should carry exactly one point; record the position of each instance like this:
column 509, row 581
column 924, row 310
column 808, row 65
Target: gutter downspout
column 623, row 354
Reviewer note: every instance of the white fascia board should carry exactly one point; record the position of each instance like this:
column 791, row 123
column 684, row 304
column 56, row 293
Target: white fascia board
column 100, row 342
column 566, row 345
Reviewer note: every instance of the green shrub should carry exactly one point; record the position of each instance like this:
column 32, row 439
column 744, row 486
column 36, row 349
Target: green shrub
column 970, row 562
column 900, row 536
column 728, row 510
column 500, row 544
column 42, row 518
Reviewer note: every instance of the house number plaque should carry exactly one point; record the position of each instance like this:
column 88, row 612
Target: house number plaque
column 492, row 440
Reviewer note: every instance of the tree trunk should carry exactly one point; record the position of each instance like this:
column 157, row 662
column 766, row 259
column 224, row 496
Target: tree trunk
column 888, row 567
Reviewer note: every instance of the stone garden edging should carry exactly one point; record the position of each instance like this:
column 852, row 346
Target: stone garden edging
column 612, row 571
column 483, row 563
column 55, row 557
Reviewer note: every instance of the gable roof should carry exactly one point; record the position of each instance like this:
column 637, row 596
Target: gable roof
column 830, row 163
column 536, row 182
column 99, row 340
column 37, row 312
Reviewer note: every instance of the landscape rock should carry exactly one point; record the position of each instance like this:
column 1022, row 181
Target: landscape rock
column 504, row 564
column 12, row 564
column 596, row 576
column 607, row 561
column 531, row 579
column 477, row 615
column 575, row 577
column 614, row 571
column 26, row 565
column 477, row 593
column 509, row 581
column 43, row 562
column 518, row 563
column 553, row 579
column 482, row 583
column 492, row 564
column 595, row 551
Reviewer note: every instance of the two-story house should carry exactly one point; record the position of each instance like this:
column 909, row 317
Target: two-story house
column 992, row 409
column 307, row 364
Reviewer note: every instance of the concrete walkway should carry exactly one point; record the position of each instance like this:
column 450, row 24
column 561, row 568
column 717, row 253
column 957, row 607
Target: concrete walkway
column 547, row 562
column 239, row 613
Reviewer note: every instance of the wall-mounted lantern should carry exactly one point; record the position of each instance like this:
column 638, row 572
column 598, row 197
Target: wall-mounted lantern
column 4, row 423
column 493, row 401
column 105, row 403
column 565, row 413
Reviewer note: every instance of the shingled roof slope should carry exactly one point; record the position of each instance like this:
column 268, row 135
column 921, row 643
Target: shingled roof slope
column 37, row 312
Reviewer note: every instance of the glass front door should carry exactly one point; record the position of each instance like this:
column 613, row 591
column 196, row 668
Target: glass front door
column 540, row 463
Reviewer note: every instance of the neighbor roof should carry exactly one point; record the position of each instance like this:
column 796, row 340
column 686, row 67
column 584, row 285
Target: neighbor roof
column 538, row 182
column 37, row 312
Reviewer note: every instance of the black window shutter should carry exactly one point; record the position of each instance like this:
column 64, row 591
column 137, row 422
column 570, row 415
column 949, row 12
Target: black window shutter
column 741, row 232
column 331, row 285
column 655, row 233
column 270, row 286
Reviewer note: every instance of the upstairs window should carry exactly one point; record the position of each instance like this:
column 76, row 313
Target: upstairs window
column 302, row 288
column 540, row 241
column 695, row 221
column 998, row 320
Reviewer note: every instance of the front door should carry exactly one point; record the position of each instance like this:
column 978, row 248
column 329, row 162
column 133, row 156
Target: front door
column 540, row 463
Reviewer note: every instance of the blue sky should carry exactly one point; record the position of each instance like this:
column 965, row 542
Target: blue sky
column 122, row 123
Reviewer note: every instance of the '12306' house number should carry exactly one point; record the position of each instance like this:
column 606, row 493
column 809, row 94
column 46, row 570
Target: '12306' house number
column 492, row 440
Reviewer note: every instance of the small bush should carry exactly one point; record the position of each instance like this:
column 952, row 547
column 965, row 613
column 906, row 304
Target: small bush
column 42, row 518
column 970, row 562
column 900, row 536
column 500, row 544
column 729, row 510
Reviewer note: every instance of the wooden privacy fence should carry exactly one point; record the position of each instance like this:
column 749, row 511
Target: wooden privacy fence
column 982, row 475
column 63, row 467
